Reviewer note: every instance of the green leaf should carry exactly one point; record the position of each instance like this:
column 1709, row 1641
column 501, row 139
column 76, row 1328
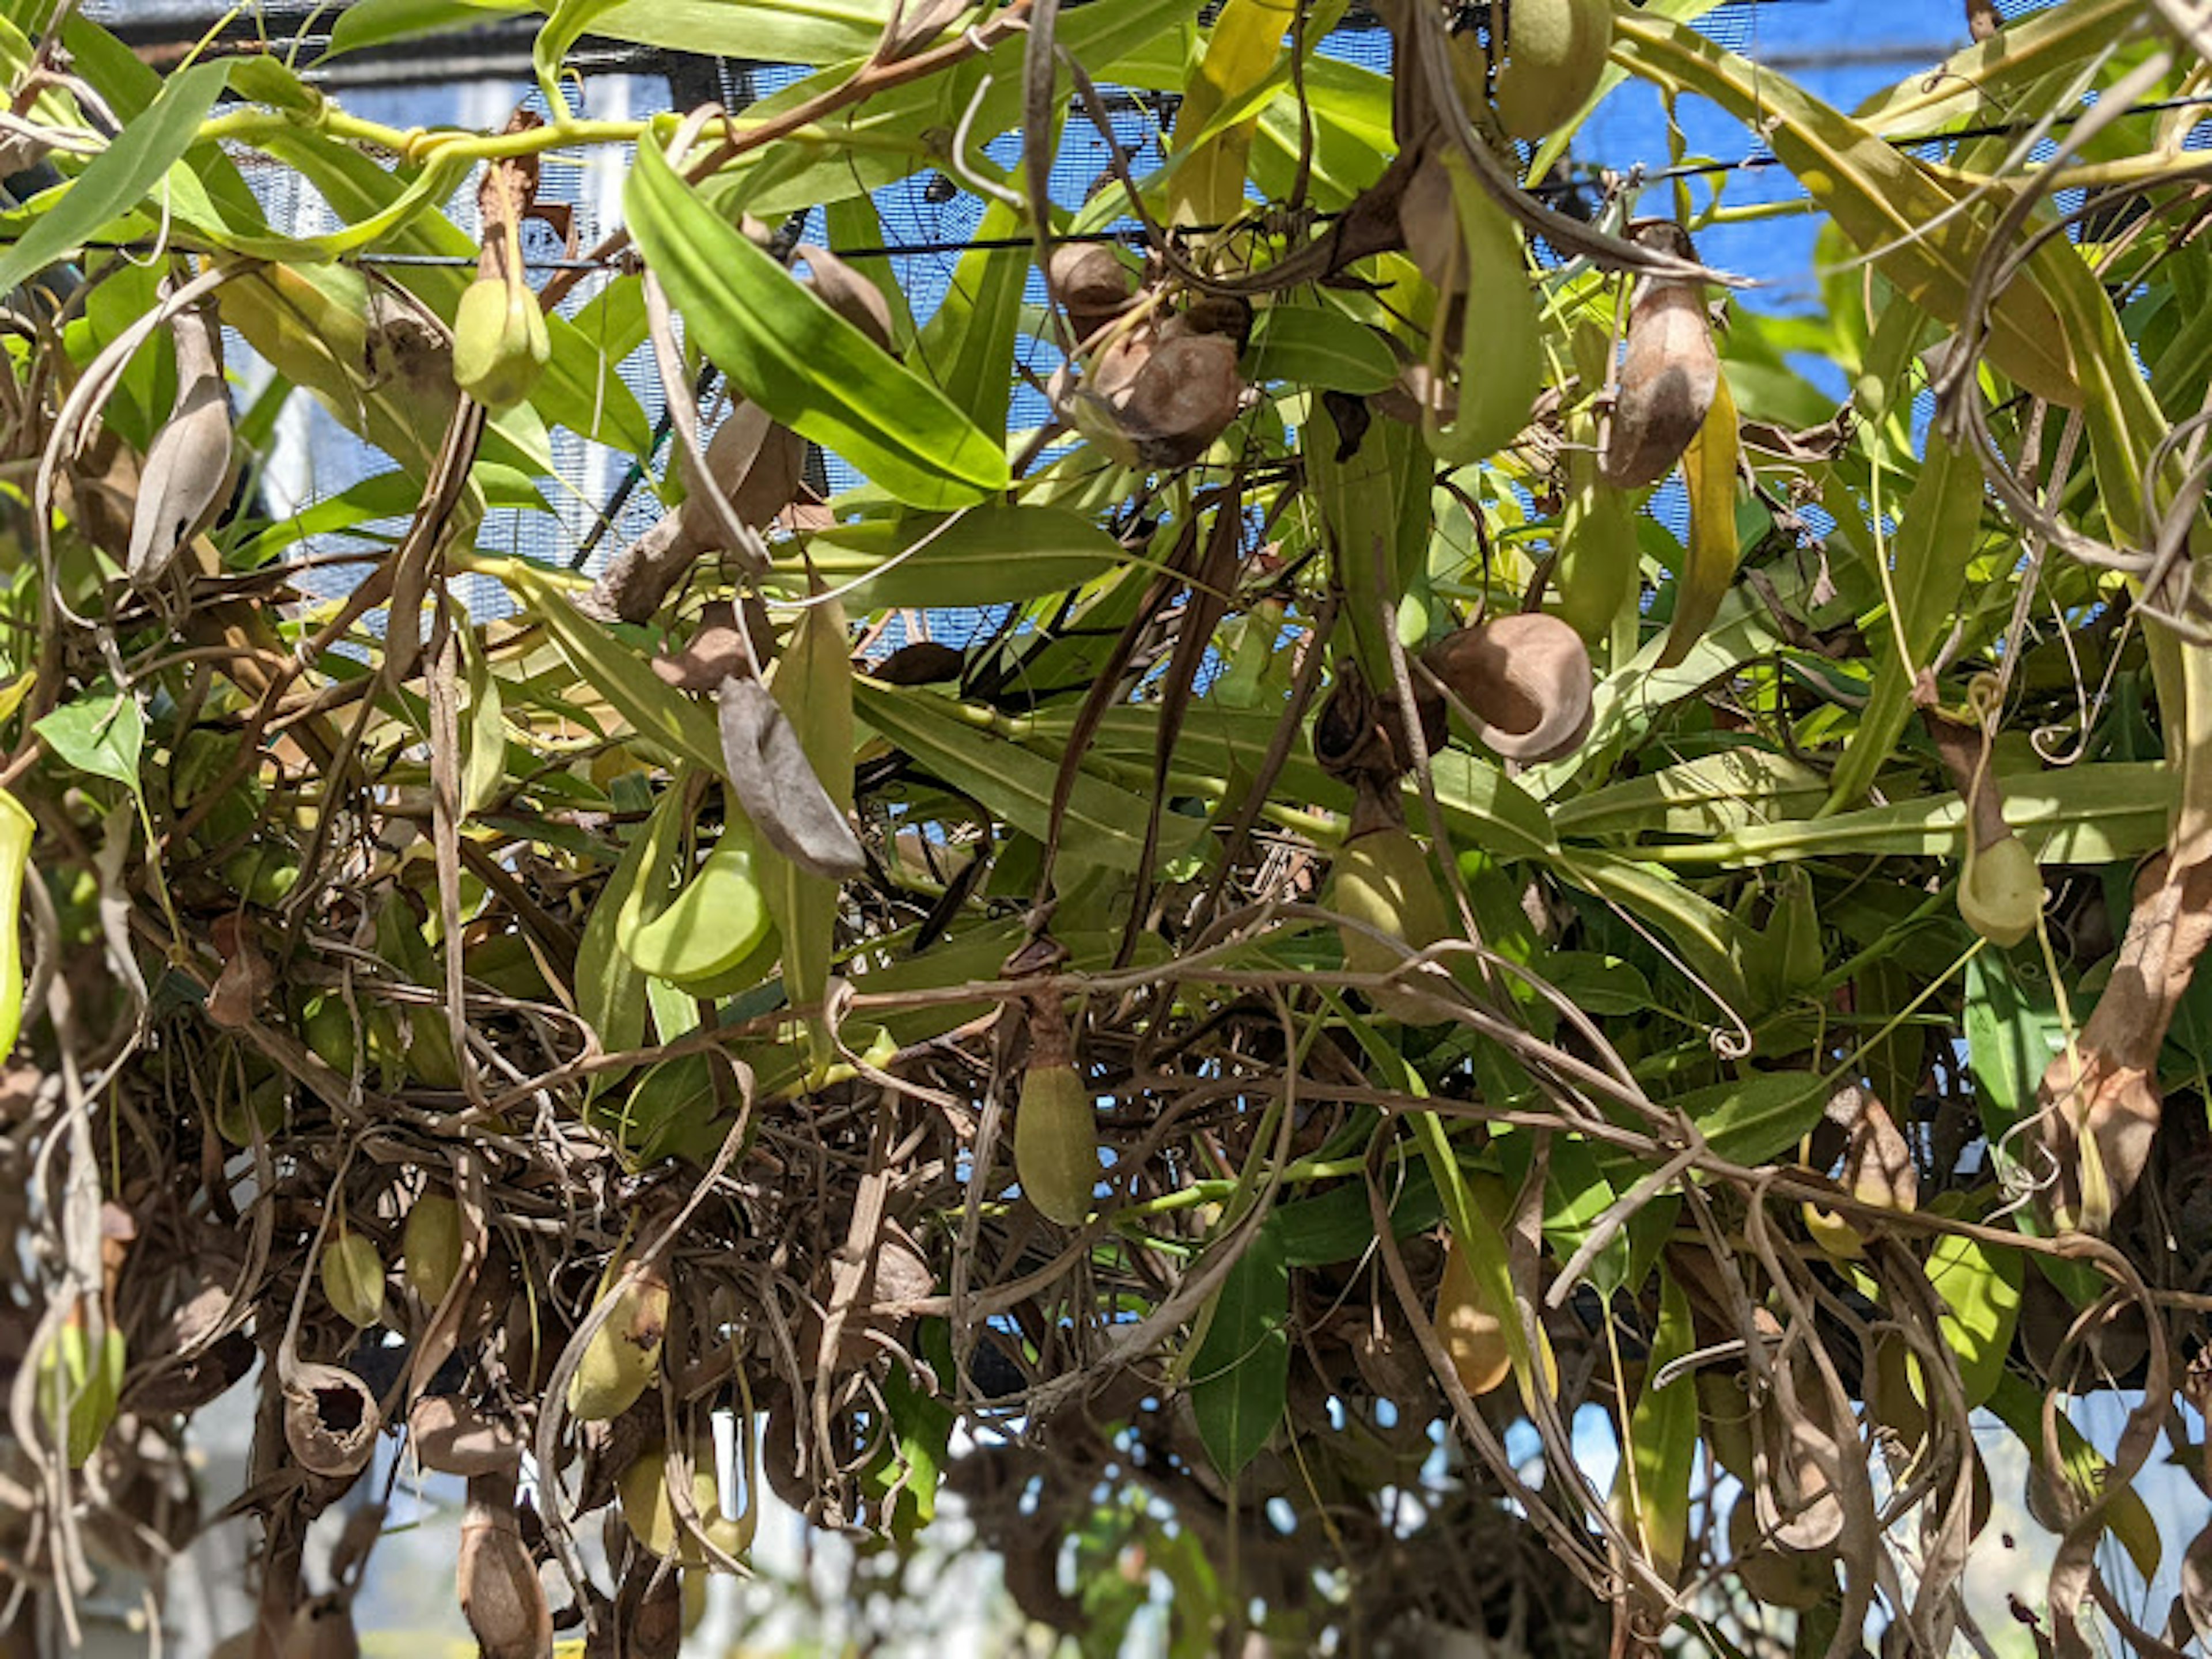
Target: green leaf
column 367, row 23
column 1312, row 346
column 2019, row 1405
column 1713, row 795
column 2012, row 1034
column 2082, row 815
column 801, row 362
column 1758, row 1117
column 1987, row 75
column 1663, row 1430
column 1338, row 1226
column 967, row 342
column 1104, row 824
column 485, row 733
column 1936, row 539
column 993, row 555
column 119, row 177
column 17, row 828
column 1240, row 1375
column 105, row 736
column 610, row 986
column 1714, row 944
column 1241, row 53
column 1981, row 1289
column 758, row 31
column 616, row 669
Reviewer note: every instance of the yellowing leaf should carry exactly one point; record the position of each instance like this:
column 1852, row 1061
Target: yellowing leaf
column 1708, row 468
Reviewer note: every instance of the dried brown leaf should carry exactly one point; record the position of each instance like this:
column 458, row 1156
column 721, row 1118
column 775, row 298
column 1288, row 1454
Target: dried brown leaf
column 778, row 788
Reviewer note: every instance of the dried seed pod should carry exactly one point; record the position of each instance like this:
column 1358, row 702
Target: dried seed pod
column 1555, row 54
column 1793, row 1455
column 1057, row 1143
column 650, row 1609
column 1525, row 679
column 1382, row 878
column 758, row 466
column 1669, row 375
column 453, row 1437
column 624, row 1355
column 847, row 293
column 1473, row 1332
column 187, row 469
column 2001, row 891
column 353, row 1277
column 501, row 345
column 430, row 1247
column 1778, row 1578
column 331, row 1420
column 921, row 662
column 1173, row 397
column 1093, row 285
column 501, row 1595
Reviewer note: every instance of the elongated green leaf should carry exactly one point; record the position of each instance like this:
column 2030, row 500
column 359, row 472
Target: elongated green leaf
column 800, row 361
column 2019, row 1405
column 1988, row 74
column 1895, row 208
column 967, row 342
column 1663, row 1430
column 369, row 23
column 614, row 668
column 611, row 990
column 2084, row 815
column 17, row 828
column 1373, row 502
column 759, row 30
column 1240, row 1375
column 1308, row 345
column 1713, row 795
column 993, row 555
column 1711, row 941
column 485, row 734
column 1981, row 1290
column 1104, row 824
column 119, row 177
column 2013, row 1033
column 1240, row 52
column 1338, row 1226
column 1935, row 541
column 1758, row 1117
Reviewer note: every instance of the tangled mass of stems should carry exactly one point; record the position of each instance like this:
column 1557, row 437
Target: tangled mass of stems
column 1381, row 951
